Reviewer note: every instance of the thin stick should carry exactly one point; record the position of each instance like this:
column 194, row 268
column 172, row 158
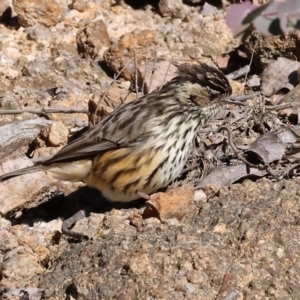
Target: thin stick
column 280, row 106
column 106, row 92
column 245, row 97
column 262, row 103
column 144, row 77
column 136, row 75
column 236, row 151
column 238, row 73
column 152, row 72
column 286, row 172
column 240, row 157
column 189, row 168
column 251, row 60
column 123, row 100
column 165, row 77
column 43, row 110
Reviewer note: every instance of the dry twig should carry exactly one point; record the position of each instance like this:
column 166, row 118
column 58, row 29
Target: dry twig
column 245, row 97
column 240, row 157
column 250, row 63
column 144, row 77
column 154, row 66
column 165, row 77
column 136, row 75
column 286, row 172
column 238, row 73
column 280, row 106
column 106, row 92
column 43, row 110
column 235, row 149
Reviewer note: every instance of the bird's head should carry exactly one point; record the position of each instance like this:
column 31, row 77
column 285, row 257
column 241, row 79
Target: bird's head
column 207, row 86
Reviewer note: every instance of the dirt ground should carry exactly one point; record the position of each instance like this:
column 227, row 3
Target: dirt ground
column 239, row 242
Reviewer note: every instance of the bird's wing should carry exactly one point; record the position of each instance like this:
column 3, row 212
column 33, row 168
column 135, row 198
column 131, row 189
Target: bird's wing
column 123, row 128
column 127, row 126
column 80, row 149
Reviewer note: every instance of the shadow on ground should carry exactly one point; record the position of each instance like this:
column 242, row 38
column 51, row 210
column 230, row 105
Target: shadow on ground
column 65, row 206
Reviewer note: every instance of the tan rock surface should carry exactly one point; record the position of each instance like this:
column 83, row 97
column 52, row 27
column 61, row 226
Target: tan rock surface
column 241, row 240
column 58, row 134
column 18, row 191
column 93, row 39
column 175, row 203
column 30, row 12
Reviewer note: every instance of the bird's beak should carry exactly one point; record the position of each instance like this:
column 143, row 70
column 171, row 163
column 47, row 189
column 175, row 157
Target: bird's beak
column 234, row 100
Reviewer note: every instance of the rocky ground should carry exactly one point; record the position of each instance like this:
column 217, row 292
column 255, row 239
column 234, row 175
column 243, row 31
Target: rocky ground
column 58, row 60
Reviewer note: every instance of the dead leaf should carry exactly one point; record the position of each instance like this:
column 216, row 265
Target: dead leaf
column 279, row 74
column 226, row 175
column 271, row 145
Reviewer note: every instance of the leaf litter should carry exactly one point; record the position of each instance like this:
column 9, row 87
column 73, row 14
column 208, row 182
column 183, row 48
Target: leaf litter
column 262, row 138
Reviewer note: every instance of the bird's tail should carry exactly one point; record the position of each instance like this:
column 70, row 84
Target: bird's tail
column 70, row 171
column 23, row 171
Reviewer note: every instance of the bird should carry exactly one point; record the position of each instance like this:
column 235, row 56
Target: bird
column 143, row 145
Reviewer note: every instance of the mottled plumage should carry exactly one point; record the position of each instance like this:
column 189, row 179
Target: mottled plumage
column 143, row 145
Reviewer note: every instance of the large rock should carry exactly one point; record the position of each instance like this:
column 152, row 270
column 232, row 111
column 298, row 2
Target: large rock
column 30, row 12
column 93, row 39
